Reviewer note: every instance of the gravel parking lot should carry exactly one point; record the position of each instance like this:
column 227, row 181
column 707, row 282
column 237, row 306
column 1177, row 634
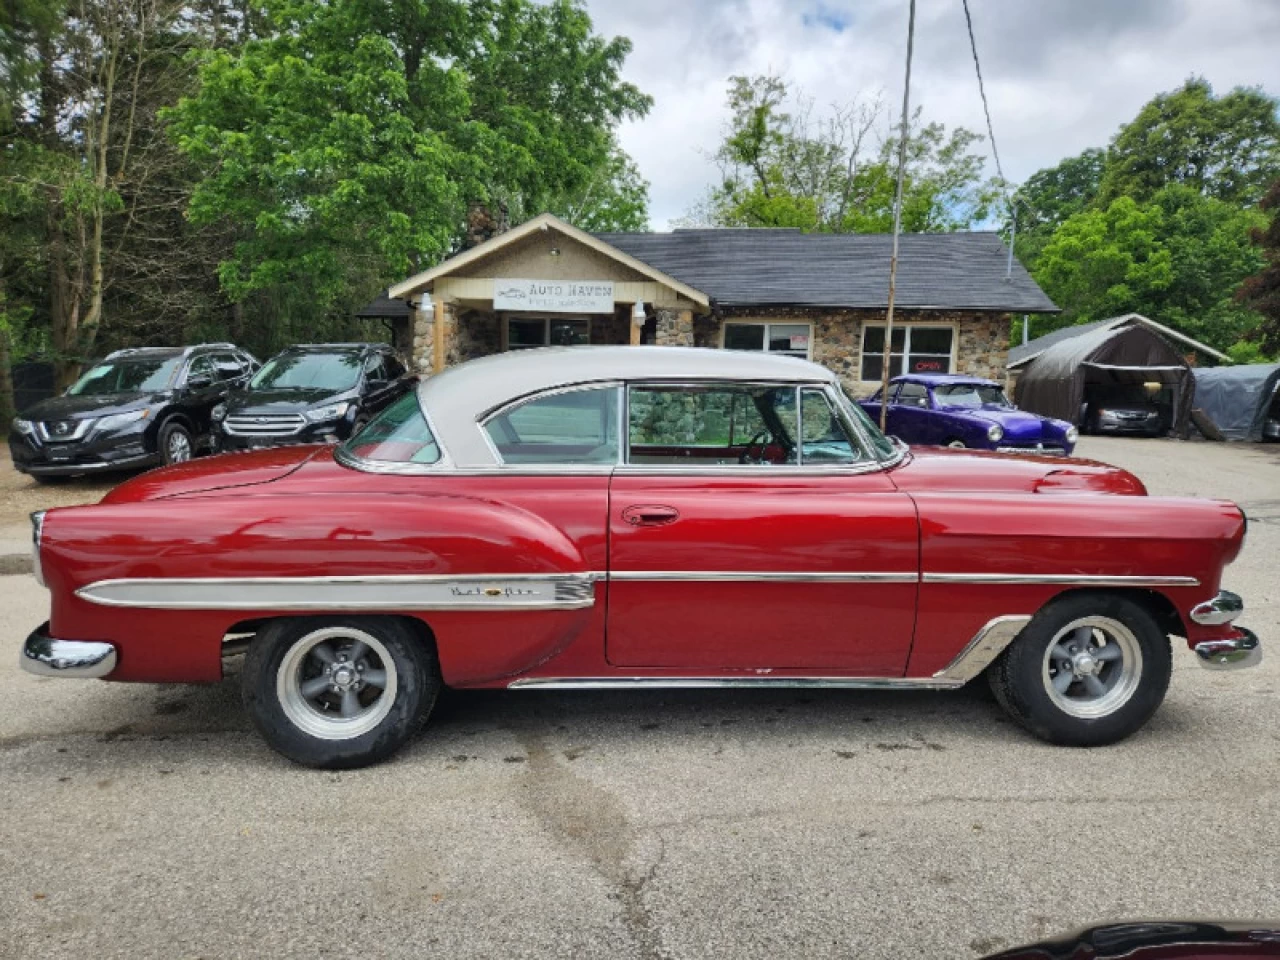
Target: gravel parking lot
column 150, row 821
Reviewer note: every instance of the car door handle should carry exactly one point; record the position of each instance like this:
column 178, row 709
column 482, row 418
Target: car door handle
column 650, row 515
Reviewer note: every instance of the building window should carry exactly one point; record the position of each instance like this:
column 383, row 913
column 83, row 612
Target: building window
column 792, row 339
column 923, row 349
column 524, row 333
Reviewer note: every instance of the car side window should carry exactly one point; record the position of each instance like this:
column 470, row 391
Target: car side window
column 824, row 438
column 712, row 425
column 228, row 366
column 202, row 366
column 913, row 395
column 395, row 369
column 374, row 370
column 567, row 427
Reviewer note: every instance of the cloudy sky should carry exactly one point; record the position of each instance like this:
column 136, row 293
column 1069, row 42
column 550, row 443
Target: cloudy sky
column 1061, row 75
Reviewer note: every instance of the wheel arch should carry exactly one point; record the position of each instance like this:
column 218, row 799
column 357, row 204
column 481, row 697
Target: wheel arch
column 1153, row 601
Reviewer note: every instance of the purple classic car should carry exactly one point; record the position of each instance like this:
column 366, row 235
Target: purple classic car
column 956, row 411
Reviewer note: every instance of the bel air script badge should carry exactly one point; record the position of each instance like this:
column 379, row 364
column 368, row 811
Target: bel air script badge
column 492, row 592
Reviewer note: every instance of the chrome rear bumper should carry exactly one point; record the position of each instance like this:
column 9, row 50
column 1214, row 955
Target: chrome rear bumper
column 1234, row 653
column 45, row 656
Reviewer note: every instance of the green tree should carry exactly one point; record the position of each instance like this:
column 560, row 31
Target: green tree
column 343, row 144
column 1225, row 147
column 1178, row 259
column 1261, row 291
column 1051, row 196
column 784, row 166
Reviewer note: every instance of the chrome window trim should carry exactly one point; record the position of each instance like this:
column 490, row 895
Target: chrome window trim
column 1060, row 579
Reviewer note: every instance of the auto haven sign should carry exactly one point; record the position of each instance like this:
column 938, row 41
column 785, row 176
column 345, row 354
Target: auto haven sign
column 554, row 296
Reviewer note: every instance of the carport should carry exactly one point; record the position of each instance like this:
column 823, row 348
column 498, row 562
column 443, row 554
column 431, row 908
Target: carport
column 1237, row 399
column 1067, row 375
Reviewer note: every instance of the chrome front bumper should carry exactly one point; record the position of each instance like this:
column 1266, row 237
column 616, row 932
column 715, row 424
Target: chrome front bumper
column 1229, row 653
column 47, row 657
column 1235, row 653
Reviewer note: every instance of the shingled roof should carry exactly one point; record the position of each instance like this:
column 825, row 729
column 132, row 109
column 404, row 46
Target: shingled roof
column 763, row 267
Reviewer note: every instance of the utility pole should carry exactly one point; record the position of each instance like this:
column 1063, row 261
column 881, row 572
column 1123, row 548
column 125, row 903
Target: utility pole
column 897, row 224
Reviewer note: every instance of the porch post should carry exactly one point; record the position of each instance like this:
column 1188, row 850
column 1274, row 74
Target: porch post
column 437, row 343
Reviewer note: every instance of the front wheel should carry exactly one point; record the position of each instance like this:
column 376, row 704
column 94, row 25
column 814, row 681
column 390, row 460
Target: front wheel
column 1089, row 669
column 176, row 445
column 956, row 444
column 339, row 693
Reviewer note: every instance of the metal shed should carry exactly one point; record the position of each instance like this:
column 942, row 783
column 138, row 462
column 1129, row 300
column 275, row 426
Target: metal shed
column 1057, row 383
column 1237, row 399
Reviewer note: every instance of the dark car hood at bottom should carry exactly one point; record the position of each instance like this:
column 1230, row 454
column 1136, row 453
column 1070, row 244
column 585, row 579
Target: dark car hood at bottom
column 276, row 401
column 85, row 406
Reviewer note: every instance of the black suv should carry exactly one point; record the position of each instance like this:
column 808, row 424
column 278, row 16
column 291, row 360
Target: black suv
column 135, row 408
column 312, row 393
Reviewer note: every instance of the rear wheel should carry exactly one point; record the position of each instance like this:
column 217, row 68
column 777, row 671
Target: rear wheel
column 956, row 444
column 338, row 692
column 1089, row 669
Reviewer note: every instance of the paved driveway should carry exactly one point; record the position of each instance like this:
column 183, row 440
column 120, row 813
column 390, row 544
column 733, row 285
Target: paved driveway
column 149, row 822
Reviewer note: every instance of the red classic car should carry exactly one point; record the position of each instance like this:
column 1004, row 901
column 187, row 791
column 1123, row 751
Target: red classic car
column 635, row 517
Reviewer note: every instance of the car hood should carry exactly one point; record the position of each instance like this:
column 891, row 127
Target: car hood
column 288, row 400
column 214, row 473
column 942, row 470
column 87, row 406
column 1018, row 425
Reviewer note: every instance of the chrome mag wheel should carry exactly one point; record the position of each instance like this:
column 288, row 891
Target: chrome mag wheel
column 178, row 447
column 1092, row 667
column 337, row 683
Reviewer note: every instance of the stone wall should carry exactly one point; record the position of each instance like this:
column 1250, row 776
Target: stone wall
column 424, row 329
column 982, row 348
column 475, row 333
column 675, row 327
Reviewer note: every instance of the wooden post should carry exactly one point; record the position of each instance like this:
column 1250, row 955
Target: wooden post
column 637, row 329
column 437, row 339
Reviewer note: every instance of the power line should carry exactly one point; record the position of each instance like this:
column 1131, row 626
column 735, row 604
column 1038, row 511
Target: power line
column 982, row 90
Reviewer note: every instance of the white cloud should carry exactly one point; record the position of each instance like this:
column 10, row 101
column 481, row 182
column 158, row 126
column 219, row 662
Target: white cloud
column 1061, row 75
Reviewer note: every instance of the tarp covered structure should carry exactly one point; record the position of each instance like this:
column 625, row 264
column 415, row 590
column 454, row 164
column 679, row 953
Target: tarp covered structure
column 1055, row 383
column 1236, row 399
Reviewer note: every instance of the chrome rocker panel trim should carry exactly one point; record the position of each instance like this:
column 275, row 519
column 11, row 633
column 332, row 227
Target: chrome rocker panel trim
column 1223, row 608
column 1235, row 653
column 46, row 656
column 512, row 591
column 977, row 655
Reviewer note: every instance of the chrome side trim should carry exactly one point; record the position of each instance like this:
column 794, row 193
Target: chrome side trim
column 751, row 576
column 1060, row 579
column 45, row 656
column 1236, row 653
column 707, row 683
column 516, row 591
column 1223, row 608
column 982, row 650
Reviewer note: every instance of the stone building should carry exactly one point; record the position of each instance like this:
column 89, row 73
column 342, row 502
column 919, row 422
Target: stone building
column 818, row 296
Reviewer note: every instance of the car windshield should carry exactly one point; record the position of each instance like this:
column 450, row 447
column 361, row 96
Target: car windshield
column 970, row 395
column 882, row 445
column 399, row 434
column 306, row 370
column 132, row 375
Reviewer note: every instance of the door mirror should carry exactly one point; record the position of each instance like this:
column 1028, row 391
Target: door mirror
column 199, row 381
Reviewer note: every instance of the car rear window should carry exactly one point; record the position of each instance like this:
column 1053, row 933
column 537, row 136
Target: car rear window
column 399, row 434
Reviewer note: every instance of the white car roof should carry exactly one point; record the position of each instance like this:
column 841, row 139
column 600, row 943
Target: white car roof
column 458, row 398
